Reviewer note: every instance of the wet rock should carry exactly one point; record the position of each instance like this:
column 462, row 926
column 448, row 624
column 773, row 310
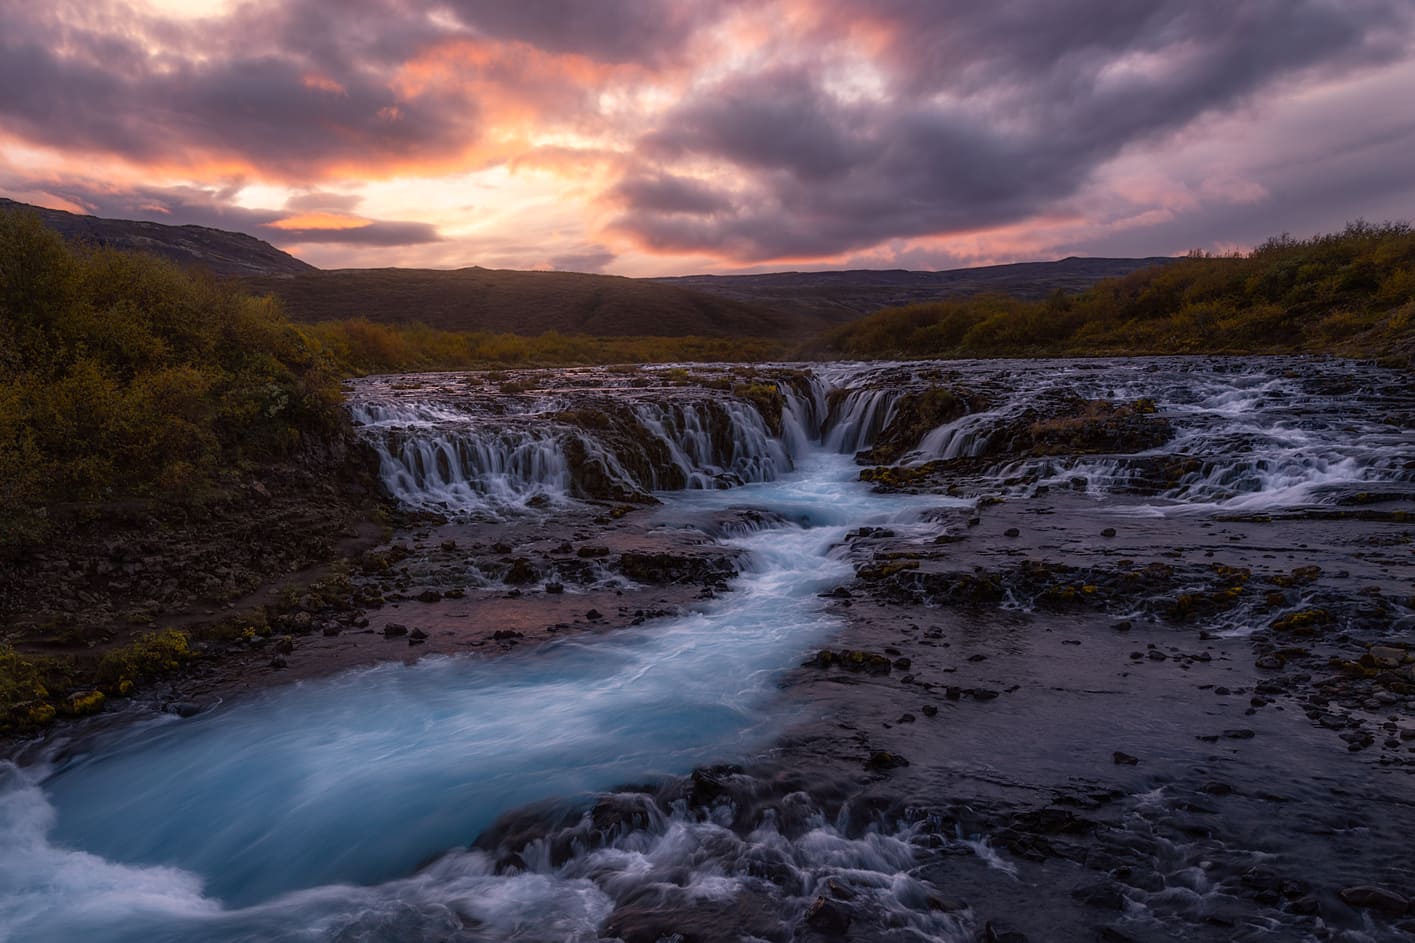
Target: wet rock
column 1012, row 532
column 828, row 916
column 506, row 635
column 930, row 710
column 278, row 662
column 417, row 635
column 429, row 595
column 1124, row 759
column 555, row 589
column 183, row 708
column 852, row 660
column 1375, row 897
column 883, row 759
column 1105, row 895
column 995, row 932
column 594, row 615
column 1384, row 656
column 395, row 630
column 522, row 572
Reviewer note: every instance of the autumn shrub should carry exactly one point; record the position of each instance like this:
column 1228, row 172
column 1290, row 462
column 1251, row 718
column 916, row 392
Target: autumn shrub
column 1338, row 293
column 124, row 376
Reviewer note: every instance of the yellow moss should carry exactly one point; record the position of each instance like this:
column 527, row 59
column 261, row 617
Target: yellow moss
column 80, row 705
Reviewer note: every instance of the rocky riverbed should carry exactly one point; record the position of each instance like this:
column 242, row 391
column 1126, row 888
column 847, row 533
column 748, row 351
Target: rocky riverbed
column 1001, row 651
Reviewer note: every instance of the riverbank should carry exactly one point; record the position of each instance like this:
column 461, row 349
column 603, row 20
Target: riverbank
column 1116, row 649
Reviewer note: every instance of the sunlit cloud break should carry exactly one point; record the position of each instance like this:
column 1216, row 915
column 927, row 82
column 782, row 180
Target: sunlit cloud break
column 668, row 136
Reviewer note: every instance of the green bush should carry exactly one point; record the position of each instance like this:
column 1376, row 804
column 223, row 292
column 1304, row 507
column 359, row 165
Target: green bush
column 1343, row 293
column 122, row 376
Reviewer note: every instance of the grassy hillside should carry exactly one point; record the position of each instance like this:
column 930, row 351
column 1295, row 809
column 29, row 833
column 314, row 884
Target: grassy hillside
column 526, row 303
column 1350, row 293
column 362, row 347
column 842, row 296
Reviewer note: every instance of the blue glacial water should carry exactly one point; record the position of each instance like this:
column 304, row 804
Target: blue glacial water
column 308, row 812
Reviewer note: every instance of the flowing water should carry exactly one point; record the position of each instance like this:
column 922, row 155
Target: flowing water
column 350, row 808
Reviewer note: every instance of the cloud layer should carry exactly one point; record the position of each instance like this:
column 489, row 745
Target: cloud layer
column 671, row 134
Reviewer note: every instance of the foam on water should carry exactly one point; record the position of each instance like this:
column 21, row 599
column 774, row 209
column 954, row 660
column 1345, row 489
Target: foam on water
column 360, row 779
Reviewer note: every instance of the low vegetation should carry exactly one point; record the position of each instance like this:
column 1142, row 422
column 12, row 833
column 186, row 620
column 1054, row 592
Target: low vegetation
column 1350, row 293
column 362, row 347
column 123, row 376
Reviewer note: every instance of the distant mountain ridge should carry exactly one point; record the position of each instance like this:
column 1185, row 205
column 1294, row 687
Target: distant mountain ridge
column 839, row 296
column 219, row 251
column 781, row 305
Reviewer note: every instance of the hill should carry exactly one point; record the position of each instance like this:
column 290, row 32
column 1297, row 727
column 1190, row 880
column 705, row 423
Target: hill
column 527, row 303
column 782, row 306
column 1350, row 293
column 217, row 250
column 840, row 296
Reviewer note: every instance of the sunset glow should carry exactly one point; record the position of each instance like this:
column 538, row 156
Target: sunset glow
column 671, row 137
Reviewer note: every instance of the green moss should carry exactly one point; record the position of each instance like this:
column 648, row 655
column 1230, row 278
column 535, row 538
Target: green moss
column 881, row 571
column 151, row 656
column 1304, row 622
column 85, row 703
column 767, row 399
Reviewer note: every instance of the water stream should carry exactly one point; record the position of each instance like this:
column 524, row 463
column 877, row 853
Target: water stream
column 343, row 808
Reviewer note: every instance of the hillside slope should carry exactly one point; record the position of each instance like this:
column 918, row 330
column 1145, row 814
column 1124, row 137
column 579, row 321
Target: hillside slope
column 1350, row 293
column 478, row 299
column 840, row 296
column 217, row 250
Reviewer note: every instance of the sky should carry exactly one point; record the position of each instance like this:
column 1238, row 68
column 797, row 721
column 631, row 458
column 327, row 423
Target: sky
column 660, row 137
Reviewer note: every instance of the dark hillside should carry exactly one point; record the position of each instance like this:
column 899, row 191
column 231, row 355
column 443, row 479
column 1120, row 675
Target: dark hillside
column 841, row 296
column 526, row 303
column 218, row 251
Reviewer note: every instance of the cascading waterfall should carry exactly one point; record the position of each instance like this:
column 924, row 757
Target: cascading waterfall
column 470, row 454
column 341, row 809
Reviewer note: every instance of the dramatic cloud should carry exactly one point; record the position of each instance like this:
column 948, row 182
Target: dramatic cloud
column 989, row 113
column 652, row 136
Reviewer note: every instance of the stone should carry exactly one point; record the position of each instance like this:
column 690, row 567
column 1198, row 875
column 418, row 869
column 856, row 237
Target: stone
column 1124, row 759
column 1012, row 532
column 883, row 759
column 828, row 916
column 1108, row 532
column 395, row 630
column 1105, row 895
column 1375, row 897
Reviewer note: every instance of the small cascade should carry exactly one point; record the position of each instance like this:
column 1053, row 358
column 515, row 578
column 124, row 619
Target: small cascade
column 454, row 451
column 857, row 418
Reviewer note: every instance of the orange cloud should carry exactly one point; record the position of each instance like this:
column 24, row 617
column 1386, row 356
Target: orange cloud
column 305, row 221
